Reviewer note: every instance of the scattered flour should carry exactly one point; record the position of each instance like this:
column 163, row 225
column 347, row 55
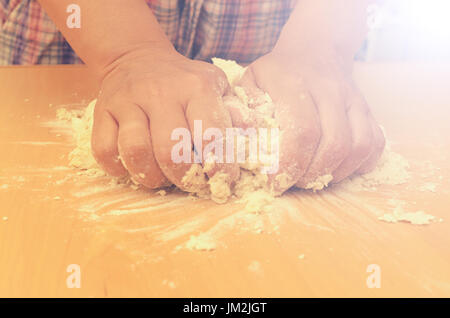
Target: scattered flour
column 255, row 267
column 201, row 242
column 392, row 169
column 431, row 187
column 400, row 215
column 81, row 156
column 417, row 218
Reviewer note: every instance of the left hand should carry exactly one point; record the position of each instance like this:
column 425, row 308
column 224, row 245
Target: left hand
column 326, row 124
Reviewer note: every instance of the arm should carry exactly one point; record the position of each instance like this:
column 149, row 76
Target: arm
column 321, row 24
column 109, row 29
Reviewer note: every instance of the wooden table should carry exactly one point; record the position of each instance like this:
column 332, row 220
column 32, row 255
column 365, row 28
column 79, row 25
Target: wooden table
column 133, row 243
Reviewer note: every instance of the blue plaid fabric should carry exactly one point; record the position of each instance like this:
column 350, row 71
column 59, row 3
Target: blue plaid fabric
column 241, row 30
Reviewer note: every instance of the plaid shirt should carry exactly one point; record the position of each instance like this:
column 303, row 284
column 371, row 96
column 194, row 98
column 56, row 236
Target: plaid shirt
column 242, row 30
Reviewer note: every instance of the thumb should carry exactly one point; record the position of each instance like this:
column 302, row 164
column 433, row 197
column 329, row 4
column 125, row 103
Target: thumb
column 242, row 100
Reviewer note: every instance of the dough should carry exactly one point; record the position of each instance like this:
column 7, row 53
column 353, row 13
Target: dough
column 320, row 183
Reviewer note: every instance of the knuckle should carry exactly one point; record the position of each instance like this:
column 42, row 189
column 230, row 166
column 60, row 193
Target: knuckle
column 197, row 80
column 363, row 149
column 358, row 100
column 150, row 181
column 134, row 151
column 380, row 144
column 336, row 91
column 216, row 72
column 221, row 80
column 310, row 135
column 155, row 184
column 338, row 148
column 164, row 156
column 210, row 77
column 102, row 152
column 379, row 140
column 364, row 146
column 358, row 107
column 154, row 91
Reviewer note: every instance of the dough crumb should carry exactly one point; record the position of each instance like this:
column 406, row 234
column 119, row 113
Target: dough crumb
column 416, row 218
column 162, row 193
column 255, row 267
column 284, row 180
column 400, row 215
column 257, row 201
column 219, row 187
column 169, row 284
column 202, row 242
column 320, row 183
column 431, row 187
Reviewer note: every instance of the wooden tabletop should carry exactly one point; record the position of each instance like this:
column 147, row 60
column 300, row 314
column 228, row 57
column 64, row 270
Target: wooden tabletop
column 135, row 243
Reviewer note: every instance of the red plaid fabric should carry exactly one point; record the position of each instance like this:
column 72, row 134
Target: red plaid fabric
column 241, row 30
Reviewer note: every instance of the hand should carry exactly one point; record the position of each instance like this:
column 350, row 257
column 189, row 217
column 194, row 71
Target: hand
column 145, row 95
column 326, row 124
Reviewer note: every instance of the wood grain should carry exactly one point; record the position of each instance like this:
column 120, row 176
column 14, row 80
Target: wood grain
column 132, row 243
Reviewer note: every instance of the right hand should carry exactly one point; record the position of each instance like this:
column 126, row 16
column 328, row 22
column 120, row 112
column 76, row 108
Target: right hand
column 145, row 96
column 325, row 123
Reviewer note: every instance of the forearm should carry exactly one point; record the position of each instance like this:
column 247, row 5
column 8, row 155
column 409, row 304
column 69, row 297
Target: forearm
column 109, row 29
column 341, row 25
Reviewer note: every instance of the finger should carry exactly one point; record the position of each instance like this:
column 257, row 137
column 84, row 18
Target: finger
column 241, row 116
column 248, row 90
column 379, row 143
column 298, row 122
column 300, row 129
column 135, row 146
column 104, row 143
column 208, row 118
column 249, row 86
column 335, row 143
column 238, row 101
column 172, row 140
column 362, row 140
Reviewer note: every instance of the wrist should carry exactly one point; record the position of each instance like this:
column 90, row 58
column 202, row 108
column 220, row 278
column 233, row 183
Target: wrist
column 152, row 51
column 319, row 27
column 313, row 47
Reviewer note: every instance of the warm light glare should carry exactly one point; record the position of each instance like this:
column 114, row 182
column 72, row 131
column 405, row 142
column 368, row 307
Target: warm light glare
column 430, row 16
column 411, row 30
